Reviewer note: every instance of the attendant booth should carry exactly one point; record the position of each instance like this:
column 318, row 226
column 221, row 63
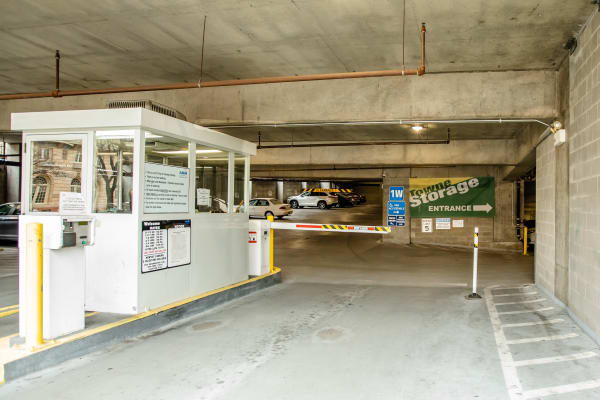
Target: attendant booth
column 139, row 210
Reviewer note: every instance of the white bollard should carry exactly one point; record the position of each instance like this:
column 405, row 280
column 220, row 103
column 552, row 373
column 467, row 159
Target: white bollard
column 474, row 295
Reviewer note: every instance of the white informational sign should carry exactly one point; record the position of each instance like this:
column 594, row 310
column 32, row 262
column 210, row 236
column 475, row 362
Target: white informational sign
column 154, row 246
column 166, row 244
column 443, row 223
column 166, row 189
column 458, row 223
column 426, row 225
column 71, row 203
column 179, row 245
column 203, row 197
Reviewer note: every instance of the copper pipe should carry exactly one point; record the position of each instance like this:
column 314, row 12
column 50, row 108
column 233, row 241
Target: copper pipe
column 422, row 67
column 316, row 77
column 232, row 82
column 57, row 77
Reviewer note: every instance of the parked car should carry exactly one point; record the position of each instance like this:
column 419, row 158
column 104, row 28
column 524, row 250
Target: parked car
column 346, row 200
column 322, row 200
column 263, row 207
column 9, row 221
column 355, row 197
column 362, row 197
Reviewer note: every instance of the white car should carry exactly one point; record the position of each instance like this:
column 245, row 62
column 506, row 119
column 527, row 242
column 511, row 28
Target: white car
column 322, row 200
column 263, row 207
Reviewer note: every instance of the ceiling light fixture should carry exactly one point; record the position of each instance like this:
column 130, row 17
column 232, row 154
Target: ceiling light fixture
column 417, row 128
column 185, row 151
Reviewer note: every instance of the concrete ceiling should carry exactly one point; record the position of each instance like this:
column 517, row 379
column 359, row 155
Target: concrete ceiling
column 349, row 133
column 115, row 43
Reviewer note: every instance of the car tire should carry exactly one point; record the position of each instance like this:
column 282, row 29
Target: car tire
column 294, row 204
column 268, row 213
column 322, row 205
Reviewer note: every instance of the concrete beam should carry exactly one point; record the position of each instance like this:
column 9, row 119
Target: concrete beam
column 465, row 152
column 510, row 94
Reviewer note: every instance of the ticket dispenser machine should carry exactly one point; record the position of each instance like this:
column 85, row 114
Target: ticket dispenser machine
column 64, row 242
column 259, row 247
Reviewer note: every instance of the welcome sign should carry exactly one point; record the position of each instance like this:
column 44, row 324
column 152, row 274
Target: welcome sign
column 453, row 197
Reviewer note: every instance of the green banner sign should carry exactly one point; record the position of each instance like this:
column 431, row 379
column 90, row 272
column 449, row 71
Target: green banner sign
column 452, row 197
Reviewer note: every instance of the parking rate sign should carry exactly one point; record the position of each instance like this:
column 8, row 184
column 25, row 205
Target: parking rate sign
column 396, row 193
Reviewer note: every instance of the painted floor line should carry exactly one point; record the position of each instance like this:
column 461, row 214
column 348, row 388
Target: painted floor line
column 514, row 287
column 515, row 294
column 542, row 338
column 549, row 360
column 573, row 387
column 526, row 311
column 8, row 313
column 523, row 324
column 511, row 378
column 520, row 302
column 9, row 307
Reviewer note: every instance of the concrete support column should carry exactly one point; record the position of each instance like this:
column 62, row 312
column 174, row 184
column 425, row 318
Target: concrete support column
column 303, row 185
column 280, row 190
column 325, row 185
column 395, row 177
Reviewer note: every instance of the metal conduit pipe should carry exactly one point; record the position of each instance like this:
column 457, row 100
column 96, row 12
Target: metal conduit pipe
column 387, row 122
column 231, row 82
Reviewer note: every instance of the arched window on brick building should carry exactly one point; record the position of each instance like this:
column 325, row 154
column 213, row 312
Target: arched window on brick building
column 39, row 189
column 76, row 185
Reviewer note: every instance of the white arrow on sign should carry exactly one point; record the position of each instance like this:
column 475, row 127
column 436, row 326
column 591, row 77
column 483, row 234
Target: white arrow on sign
column 486, row 207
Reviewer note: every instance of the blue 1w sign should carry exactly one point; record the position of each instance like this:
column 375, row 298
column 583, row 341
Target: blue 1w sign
column 396, row 193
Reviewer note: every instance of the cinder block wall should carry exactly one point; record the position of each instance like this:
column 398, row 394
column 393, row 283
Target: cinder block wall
column 584, row 177
column 545, row 188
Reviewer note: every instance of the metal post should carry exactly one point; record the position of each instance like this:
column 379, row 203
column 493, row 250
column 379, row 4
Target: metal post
column 271, row 267
column 525, row 241
column 34, row 273
column 474, row 295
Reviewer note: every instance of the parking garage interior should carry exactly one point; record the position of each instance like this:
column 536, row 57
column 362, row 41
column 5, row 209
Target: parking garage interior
column 470, row 269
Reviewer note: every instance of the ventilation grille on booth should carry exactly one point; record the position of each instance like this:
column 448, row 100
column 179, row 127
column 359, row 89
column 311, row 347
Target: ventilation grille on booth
column 149, row 105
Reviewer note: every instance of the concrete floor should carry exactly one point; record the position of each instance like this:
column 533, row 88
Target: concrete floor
column 353, row 319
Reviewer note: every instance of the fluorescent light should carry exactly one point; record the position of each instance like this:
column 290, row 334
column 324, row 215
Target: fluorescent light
column 115, row 134
column 417, row 128
column 185, row 151
column 150, row 135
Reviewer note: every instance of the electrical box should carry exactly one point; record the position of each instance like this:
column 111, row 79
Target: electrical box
column 259, row 242
column 560, row 137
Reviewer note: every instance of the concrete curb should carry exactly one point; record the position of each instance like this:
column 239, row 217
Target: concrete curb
column 55, row 355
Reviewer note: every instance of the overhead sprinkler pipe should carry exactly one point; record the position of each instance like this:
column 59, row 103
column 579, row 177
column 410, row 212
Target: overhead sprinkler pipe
column 232, row 82
column 57, row 77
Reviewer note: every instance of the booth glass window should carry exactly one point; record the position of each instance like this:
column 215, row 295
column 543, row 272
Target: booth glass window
column 53, row 168
column 211, row 179
column 113, row 189
column 166, row 150
column 238, row 182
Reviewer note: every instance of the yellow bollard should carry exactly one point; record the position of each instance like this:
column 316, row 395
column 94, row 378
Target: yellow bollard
column 271, row 267
column 34, row 277
column 525, row 241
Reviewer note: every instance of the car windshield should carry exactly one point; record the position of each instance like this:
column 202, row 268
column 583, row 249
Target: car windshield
column 275, row 201
column 5, row 209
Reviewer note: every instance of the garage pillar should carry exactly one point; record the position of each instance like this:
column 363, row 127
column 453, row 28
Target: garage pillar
column 395, row 177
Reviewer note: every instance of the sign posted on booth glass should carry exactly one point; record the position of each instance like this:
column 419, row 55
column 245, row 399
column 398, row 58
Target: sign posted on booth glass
column 166, row 189
column 452, row 197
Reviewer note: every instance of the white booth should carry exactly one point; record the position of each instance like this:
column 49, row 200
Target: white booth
column 154, row 200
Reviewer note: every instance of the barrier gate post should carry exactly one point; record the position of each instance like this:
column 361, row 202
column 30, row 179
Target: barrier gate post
column 271, row 267
column 474, row 295
column 34, row 275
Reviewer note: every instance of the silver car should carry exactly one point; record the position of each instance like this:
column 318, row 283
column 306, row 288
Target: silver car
column 322, row 200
